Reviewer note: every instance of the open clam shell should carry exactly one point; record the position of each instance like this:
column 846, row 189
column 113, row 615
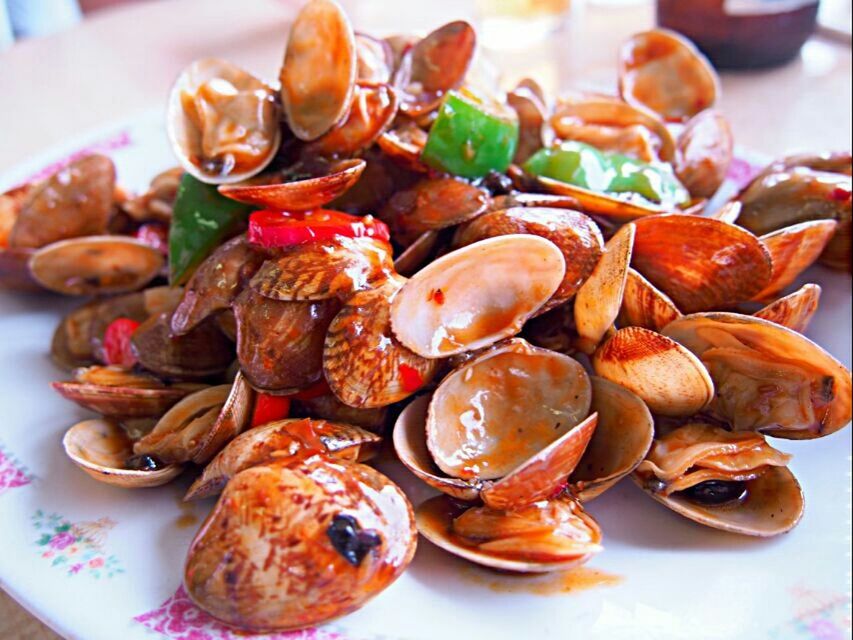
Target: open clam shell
column 278, row 440
column 410, row 445
column 600, row 296
column 234, row 418
column 115, row 393
column 671, row 380
column 363, row 362
column 700, row 263
column 343, row 528
column 663, row 71
column 223, row 123
column 476, row 295
column 574, row 233
column 298, row 195
column 768, row 378
column 531, row 111
column 705, row 151
column 101, row 449
column 774, row 505
column 373, row 109
column 793, row 250
column 75, row 201
column 601, row 118
column 620, row 442
column 436, row 519
column 310, row 71
column 404, row 144
column 323, row 270
column 374, row 59
column 95, row 265
column 502, row 408
column 417, row 254
column 643, row 305
column 433, row 66
column 179, row 434
column 795, row 310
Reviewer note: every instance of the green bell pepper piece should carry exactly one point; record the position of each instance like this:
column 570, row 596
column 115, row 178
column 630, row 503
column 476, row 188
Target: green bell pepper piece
column 469, row 139
column 201, row 220
column 585, row 166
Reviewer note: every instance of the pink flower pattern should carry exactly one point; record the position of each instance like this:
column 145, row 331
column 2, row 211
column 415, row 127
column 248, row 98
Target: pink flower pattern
column 12, row 473
column 179, row 619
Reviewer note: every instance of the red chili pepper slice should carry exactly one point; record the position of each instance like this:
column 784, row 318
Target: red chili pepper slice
column 269, row 408
column 411, row 378
column 117, row 346
column 273, row 229
column 320, row 388
column 840, row 194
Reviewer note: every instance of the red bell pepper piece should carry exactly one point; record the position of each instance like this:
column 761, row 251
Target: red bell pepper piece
column 117, row 346
column 276, row 229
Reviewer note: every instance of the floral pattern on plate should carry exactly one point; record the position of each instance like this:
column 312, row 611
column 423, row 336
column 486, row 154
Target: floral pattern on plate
column 819, row 615
column 179, row 618
column 78, row 548
column 12, row 473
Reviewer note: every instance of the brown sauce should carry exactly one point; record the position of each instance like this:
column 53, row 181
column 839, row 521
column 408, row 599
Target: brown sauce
column 552, row 584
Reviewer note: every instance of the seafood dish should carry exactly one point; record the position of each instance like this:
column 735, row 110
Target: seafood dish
column 382, row 253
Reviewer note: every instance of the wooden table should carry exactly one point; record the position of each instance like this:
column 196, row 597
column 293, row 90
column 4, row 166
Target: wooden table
column 124, row 61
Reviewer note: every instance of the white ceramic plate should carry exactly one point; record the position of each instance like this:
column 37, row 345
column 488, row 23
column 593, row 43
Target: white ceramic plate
column 98, row 563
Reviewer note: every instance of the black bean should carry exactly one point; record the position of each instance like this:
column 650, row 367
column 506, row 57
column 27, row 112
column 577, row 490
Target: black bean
column 350, row 540
column 715, row 492
column 143, row 463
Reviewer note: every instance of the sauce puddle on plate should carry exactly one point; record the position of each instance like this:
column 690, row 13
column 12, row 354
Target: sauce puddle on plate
column 188, row 518
column 552, row 584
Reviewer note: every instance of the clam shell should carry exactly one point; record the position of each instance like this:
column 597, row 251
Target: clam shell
column 543, row 475
column 328, row 407
column 373, row 109
column 771, row 349
column 246, row 117
column 795, row 311
column 671, row 380
column 310, row 71
column 574, row 233
column 180, row 433
column 416, row 254
column 95, row 265
column 298, row 195
column 531, row 111
column 431, row 204
column 774, row 505
column 663, row 71
column 600, row 297
column 476, row 295
column 215, row 284
column 15, row 271
column 101, row 447
column 793, row 250
column 363, row 362
column 234, row 418
column 705, row 151
column 435, row 520
column 319, row 271
column 374, row 59
column 75, row 201
column 621, row 440
column 121, row 402
column 278, row 440
column 729, row 212
column 434, row 66
column 264, row 560
column 700, row 263
column 410, row 445
column 645, row 306
column 404, row 145
column 503, row 407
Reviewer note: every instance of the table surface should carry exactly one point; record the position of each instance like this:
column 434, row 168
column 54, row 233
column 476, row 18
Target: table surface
column 124, row 60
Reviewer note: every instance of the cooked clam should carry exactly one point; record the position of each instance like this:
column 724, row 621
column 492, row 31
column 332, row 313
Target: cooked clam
column 317, row 82
column 663, row 71
column 104, row 451
column 704, row 152
column 795, row 310
column 95, row 265
column 700, row 263
column 600, row 297
column 768, row 378
column 727, row 480
column 291, row 546
column 363, row 362
column 222, row 122
column 643, row 305
column 669, row 378
column 75, row 201
column 278, row 440
column 476, row 295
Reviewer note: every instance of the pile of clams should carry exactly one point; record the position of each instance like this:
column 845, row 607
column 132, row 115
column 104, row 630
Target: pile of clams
column 327, row 268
